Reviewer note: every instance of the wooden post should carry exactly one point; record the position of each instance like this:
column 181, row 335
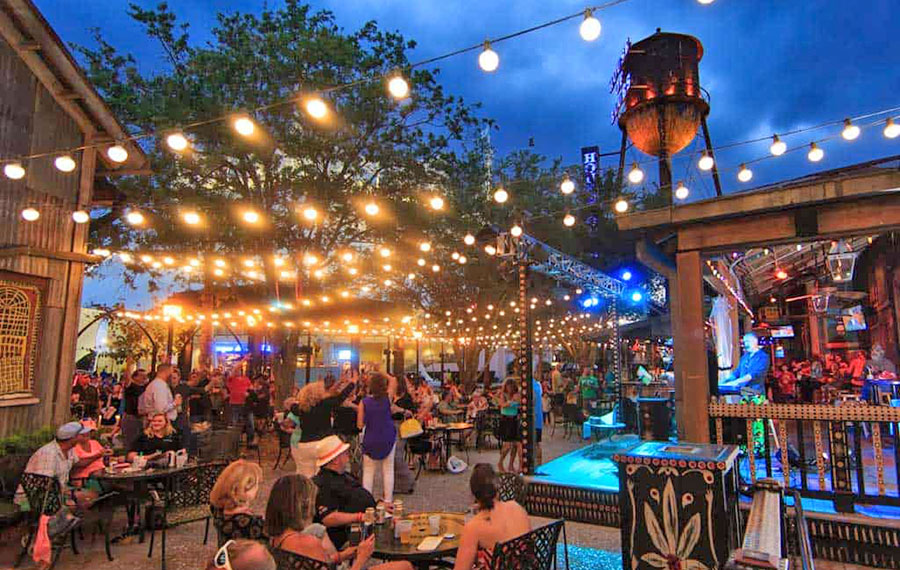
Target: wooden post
column 691, row 380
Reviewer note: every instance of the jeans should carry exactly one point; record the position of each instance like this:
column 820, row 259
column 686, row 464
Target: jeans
column 387, row 474
column 241, row 414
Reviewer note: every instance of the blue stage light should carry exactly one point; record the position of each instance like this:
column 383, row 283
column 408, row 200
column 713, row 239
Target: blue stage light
column 636, row 296
column 626, row 275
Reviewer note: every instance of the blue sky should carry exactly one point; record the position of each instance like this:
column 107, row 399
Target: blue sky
column 770, row 66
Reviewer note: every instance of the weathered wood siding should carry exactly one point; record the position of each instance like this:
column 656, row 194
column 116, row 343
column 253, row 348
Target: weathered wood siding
column 32, row 122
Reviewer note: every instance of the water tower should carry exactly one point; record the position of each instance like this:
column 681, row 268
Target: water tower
column 660, row 104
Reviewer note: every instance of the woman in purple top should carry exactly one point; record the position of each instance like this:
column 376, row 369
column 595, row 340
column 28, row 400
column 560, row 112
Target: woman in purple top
column 379, row 435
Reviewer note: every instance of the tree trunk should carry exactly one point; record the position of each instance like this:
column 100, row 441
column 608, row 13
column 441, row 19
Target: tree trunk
column 284, row 363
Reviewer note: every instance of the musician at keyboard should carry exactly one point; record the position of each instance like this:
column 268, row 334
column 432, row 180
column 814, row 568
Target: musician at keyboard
column 749, row 378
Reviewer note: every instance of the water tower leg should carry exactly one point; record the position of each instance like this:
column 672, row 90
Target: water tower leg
column 709, row 149
column 665, row 167
column 621, row 160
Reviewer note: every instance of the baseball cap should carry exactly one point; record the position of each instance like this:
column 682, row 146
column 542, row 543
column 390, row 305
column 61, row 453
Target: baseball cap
column 69, row 430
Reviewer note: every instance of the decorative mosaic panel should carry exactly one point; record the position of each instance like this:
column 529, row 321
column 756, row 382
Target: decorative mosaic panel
column 21, row 306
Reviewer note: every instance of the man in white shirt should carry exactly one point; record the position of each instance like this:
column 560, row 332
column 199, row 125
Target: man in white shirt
column 157, row 397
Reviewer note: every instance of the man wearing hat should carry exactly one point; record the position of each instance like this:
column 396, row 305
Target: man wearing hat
column 341, row 500
column 56, row 459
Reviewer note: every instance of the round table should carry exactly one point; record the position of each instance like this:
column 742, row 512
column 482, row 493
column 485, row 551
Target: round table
column 448, row 430
column 389, row 548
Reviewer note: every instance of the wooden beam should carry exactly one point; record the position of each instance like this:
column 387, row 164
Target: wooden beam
column 738, row 233
column 861, row 218
column 655, row 259
column 50, row 254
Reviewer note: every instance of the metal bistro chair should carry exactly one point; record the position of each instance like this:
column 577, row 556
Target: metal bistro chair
column 286, row 560
column 510, row 487
column 284, row 446
column 45, row 498
column 535, row 550
column 185, row 500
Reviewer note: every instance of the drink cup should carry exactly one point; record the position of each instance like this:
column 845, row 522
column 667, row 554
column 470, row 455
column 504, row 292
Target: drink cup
column 434, row 525
column 405, row 527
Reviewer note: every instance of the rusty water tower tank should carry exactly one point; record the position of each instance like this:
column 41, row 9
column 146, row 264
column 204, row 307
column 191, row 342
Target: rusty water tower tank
column 663, row 106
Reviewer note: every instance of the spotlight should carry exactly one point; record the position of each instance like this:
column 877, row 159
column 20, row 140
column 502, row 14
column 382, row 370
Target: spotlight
column 636, row 296
column 626, row 275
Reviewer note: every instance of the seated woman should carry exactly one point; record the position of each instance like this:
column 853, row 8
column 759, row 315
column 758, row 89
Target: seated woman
column 230, row 500
column 90, row 454
column 159, row 438
column 289, row 516
column 496, row 521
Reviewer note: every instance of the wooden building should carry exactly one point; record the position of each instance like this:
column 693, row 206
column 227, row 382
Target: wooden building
column 679, row 241
column 46, row 104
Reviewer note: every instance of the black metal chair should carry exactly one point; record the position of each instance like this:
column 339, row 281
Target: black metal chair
column 286, row 560
column 284, row 446
column 185, row 500
column 45, row 498
column 419, row 447
column 535, row 550
column 510, row 487
column 487, row 423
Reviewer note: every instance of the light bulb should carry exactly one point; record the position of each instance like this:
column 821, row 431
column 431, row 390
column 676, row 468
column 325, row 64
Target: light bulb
column 436, row 203
column 191, row 218
column 501, row 196
column 425, row 246
column 590, row 27
column 384, row 252
column 30, row 214
column 398, row 87
column 490, row 250
column 469, row 239
column 891, row 129
column 516, row 230
column 744, row 174
column 64, row 163
column 80, row 217
column 681, row 192
column 348, row 257
column 177, row 142
column 244, row 126
column 251, row 217
column 463, row 260
column 850, row 131
column 117, row 153
column 310, row 213
column 621, row 205
column 316, row 108
column 420, row 262
column 815, row 153
column 372, row 209
column 455, row 255
column 14, row 170
column 567, row 186
column 705, row 2
column 635, row 175
column 569, row 220
column 135, row 218
column 706, row 161
column 777, row 148
column 488, row 60
column 435, row 267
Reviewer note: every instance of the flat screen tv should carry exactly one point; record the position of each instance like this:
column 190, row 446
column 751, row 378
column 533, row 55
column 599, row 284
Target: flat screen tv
column 854, row 319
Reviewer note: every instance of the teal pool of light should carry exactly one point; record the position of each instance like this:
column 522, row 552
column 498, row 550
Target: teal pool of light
column 590, row 467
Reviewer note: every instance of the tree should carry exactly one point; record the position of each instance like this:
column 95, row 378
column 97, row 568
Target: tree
column 371, row 148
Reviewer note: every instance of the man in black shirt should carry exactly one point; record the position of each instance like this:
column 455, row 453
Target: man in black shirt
column 131, row 422
column 341, row 500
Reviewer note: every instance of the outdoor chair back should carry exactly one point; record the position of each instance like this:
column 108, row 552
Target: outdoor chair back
column 535, row 550
column 510, row 487
column 286, row 560
column 43, row 492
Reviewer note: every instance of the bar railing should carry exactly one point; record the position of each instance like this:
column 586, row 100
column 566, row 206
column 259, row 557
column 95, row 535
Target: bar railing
column 845, row 453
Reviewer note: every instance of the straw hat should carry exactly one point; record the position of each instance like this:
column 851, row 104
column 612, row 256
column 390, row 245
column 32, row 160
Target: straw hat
column 329, row 449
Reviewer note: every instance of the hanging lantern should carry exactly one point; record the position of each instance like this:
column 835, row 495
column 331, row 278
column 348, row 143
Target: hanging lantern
column 840, row 261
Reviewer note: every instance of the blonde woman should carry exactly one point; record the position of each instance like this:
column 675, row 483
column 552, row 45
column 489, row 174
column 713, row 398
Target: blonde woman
column 313, row 412
column 159, row 438
column 289, row 521
column 231, row 496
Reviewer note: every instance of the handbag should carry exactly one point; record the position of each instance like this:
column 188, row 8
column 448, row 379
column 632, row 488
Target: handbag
column 411, row 428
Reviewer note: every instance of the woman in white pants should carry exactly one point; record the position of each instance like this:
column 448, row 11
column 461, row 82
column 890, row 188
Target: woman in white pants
column 313, row 411
column 379, row 436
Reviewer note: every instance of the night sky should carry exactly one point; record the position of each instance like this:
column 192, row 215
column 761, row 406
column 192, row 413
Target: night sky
column 769, row 66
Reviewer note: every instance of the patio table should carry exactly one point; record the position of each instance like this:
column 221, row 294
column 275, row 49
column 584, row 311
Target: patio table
column 389, row 548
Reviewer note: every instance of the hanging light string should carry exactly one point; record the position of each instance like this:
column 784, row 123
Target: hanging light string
column 294, row 99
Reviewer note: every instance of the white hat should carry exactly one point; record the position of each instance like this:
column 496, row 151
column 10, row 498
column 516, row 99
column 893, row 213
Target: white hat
column 329, row 449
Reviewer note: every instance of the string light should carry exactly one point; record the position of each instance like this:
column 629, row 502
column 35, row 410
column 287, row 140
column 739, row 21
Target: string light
column 420, row 262
column 80, row 217
column 191, row 218
column 30, row 215
column 706, row 161
column 251, row 217
column 14, row 170
column 635, row 175
column 469, row 239
column 64, row 163
column 347, row 256
column 135, row 218
column 177, row 142
column 621, row 205
column 117, row 153
column 516, row 230
column 778, row 147
column 781, row 274
column 316, row 108
column 372, row 209
column 501, row 196
column 435, row 268
column 569, row 220
column 436, row 203
column 590, row 27
column 425, row 247
column 815, row 153
column 891, row 129
column 398, row 87
column 681, row 192
column 463, row 260
column 567, row 186
column 244, row 126
column 488, row 60
column 490, row 249
column 310, row 213
column 850, row 131
column 744, row 173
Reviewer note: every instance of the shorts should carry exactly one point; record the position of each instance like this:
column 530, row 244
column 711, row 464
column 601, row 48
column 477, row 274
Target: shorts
column 509, row 429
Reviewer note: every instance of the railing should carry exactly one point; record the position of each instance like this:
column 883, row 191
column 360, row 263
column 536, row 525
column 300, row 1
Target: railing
column 847, row 454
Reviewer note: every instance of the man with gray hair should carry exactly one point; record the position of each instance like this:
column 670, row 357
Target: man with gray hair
column 157, row 397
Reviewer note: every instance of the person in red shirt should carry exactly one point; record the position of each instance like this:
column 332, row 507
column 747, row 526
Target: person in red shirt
column 238, row 385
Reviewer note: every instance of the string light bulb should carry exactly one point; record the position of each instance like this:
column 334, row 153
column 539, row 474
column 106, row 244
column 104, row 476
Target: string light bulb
column 516, row 230
column 490, row 249
column 781, row 274
column 316, row 108
column 463, row 260
column 621, row 205
column 850, row 131
column 177, row 142
column 891, row 129
column 80, row 217
column 191, row 218
column 398, row 87
column 815, row 153
column 385, row 252
column 117, row 153
column 134, row 218
column 244, row 126
column 635, row 175
column 567, row 186
column 436, row 203
column 778, row 147
column 488, row 60
column 420, row 262
column 469, row 239
column 425, row 246
column 347, row 256
column 30, row 214
column 310, row 213
column 501, row 196
column 14, row 170
column 251, row 217
column 372, row 209
column 590, row 27
column 681, row 192
column 64, row 163
column 569, row 220
column 744, row 173
column 435, row 268
column 706, row 161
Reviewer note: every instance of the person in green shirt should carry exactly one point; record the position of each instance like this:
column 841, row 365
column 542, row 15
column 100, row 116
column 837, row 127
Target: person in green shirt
column 589, row 386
